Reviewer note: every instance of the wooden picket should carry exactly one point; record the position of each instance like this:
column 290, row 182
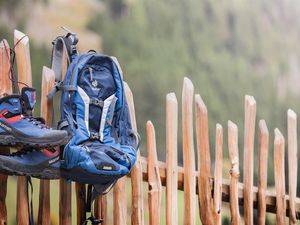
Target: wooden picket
column 234, row 172
column 48, row 78
column 22, row 51
column 212, row 189
column 6, row 89
column 263, row 146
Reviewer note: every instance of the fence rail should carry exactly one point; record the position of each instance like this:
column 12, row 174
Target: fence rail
column 203, row 187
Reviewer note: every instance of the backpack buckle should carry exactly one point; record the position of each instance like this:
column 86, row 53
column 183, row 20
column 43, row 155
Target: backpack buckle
column 97, row 102
column 94, row 135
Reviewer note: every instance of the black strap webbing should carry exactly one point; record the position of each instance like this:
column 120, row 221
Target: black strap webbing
column 88, row 206
column 31, row 218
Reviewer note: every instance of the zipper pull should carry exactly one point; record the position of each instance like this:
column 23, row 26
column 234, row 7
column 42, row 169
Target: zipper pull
column 91, row 74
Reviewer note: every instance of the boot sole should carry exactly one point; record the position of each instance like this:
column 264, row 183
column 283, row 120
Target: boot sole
column 10, row 140
column 18, row 170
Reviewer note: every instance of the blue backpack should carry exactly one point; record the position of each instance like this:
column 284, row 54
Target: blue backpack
column 102, row 145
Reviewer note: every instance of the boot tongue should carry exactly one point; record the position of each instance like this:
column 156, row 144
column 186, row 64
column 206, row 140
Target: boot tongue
column 12, row 105
column 29, row 99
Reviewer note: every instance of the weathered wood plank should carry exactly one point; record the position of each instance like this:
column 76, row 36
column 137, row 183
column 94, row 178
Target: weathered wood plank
column 65, row 212
column 218, row 175
column 279, row 177
column 6, row 86
column 249, row 130
column 120, row 200
column 263, row 148
column 234, row 173
column 24, row 77
column 137, row 207
column 23, row 58
column 48, row 79
column 171, row 159
column 80, row 202
column 188, row 153
column 6, row 89
column 204, row 186
column 154, row 191
column 292, row 163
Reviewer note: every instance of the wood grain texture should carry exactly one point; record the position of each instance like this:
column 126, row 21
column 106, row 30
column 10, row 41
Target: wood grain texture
column 80, row 202
column 234, row 173
column 154, row 188
column 23, row 58
column 137, row 206
column 48, row 78
column 249, row 130
column 24, row 75
column 292, row 163
column 6, row 88
column 279, row 177
column 65, row 201
column 171, row 159
column 100, row 209
column 263, row 148
column 120, row 202
column 218, row 175
column 204, row 186
column 188, row 153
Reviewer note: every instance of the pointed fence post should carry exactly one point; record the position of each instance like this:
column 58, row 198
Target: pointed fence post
column 234, row 173
column 5, row 90
column 204, row 186
column 154, row 192
column 24, row 76
column 249, row 130
column 292, row 163
column 65, row 187
column 279, row 177
column 263, row 147
column 171, row 159
column 188, row 153
column 218, row 175
column 48, row 79
column 137, row 213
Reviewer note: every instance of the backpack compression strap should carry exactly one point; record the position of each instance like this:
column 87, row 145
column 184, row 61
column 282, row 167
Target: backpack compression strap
column 62, row 45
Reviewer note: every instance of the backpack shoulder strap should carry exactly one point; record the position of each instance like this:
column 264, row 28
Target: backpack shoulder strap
column 63, row 45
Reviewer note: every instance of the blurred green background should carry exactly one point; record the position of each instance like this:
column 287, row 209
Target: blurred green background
column 227, row 48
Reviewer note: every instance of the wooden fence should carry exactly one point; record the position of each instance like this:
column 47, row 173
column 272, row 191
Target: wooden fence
column 200, row 187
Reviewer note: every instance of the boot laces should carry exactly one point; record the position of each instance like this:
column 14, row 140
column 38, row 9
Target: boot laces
column 35, row 121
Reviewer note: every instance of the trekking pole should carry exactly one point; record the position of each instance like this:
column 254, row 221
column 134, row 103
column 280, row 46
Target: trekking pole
column 6, row 88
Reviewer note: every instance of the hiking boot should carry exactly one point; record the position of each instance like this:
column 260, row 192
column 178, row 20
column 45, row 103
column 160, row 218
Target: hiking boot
column 42, row 164
column 28, row 96
column 19, row 129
